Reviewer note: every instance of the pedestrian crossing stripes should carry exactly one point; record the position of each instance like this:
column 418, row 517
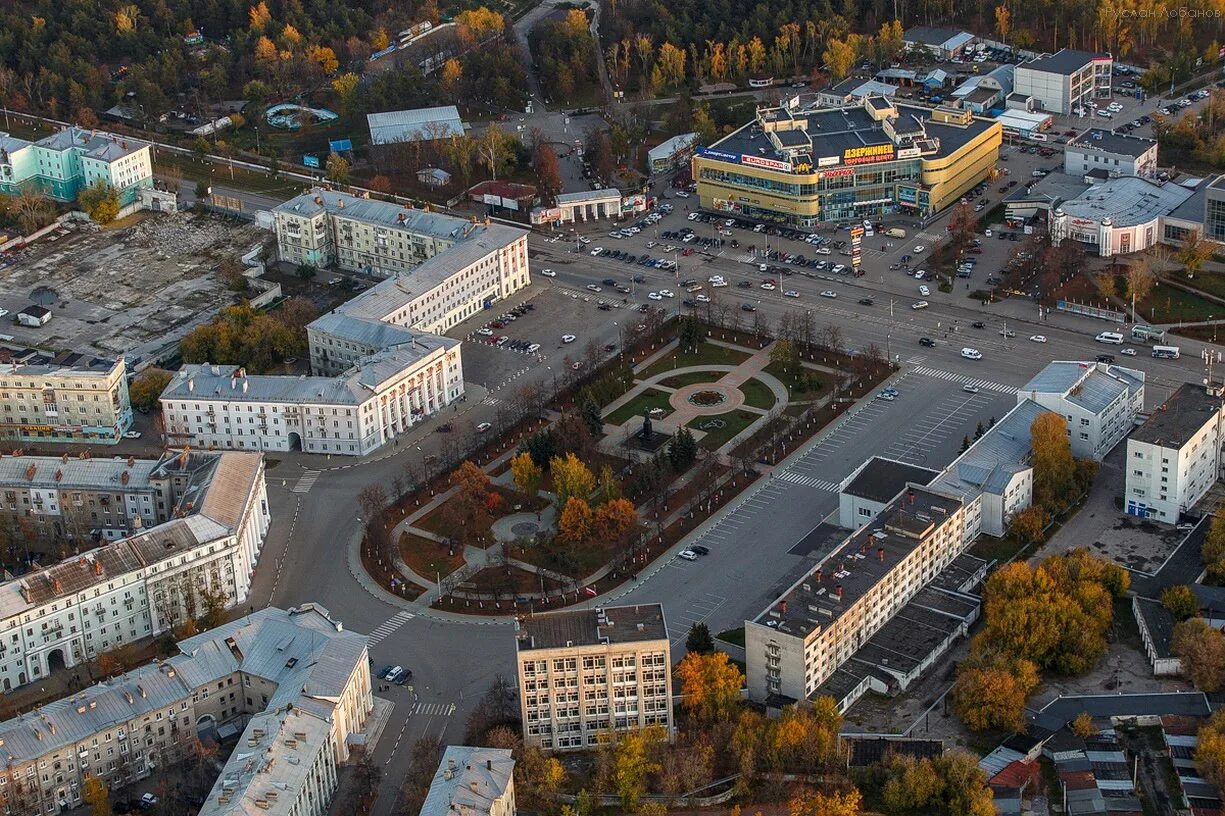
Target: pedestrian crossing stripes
column 964, row 379
column 434, row 709
column 307, row 481
column 490, row 401
column 807, row 481
column 390, row 625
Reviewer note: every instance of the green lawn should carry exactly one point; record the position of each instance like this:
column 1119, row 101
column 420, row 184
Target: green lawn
column 758, row 395
column 691, row 377
column 1211, row 282
column 650, row 398
column 733, row 636
column 805, row 384
column 706, row 354
column 733, row 423
column 1165, row 304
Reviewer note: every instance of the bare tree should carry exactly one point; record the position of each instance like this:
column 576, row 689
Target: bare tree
column 34, row 209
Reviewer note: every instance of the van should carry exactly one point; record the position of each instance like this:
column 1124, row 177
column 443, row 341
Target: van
column 1105, row 114
column 1110, row 337
column 896, row 232
column 394, row 674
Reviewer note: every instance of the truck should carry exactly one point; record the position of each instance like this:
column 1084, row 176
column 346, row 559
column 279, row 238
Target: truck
column 896, row 232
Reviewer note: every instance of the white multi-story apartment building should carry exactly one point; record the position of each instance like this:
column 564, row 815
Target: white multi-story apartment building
column 352, row 414
column 1111, row 154
column 586, row 671
column 145, row 584
column 1099, row 401
column 824, row 618
column 1176, row 455
column 68, row 398
column 473, row 782
column 380, row 361
column 298, row 682
column 1065, row 80
column 326, row 228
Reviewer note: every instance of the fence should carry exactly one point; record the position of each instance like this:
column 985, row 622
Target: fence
column 1085, row 310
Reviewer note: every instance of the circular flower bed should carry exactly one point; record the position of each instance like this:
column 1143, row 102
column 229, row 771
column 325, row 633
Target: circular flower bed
column 705, row 399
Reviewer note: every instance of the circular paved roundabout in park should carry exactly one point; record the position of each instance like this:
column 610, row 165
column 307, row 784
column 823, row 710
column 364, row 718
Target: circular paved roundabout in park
column 706, row 399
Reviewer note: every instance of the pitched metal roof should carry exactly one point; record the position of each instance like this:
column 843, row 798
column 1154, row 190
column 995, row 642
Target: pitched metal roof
column 468, row 781
column 415, row 125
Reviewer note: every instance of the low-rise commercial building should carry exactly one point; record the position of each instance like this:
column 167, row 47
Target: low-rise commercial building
column 853, row 91
column 473, row 782
column 942, row 43
column 1117, row 216
column 806, row 166
column 70, row 160
column 1116, row 153
column 1176, row 455
column 145, row 584
column 296, row 675
column 672, row 153
column 1100, row 402
column 1065, row 80
column 585, row 672
column 68, row 398
column 416, row 125
column 983, row 92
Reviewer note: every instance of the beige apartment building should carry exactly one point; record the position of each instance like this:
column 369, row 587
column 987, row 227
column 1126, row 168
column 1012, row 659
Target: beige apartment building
column 824, row 618
column 69, row 398
column 586, row 671
column 294, row 678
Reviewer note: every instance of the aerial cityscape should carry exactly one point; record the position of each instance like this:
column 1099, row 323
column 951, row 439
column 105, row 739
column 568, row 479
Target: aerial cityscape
column 542, row 407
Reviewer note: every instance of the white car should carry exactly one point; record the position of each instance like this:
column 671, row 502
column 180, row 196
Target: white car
column 920, row 274
column 655, row 296
column 769, row 287
column 923, row 290
column 568, row 338
column 791, row 293
column 1130, row 352
column 987, row 232
column 838, row 269
column 702, row 299
column 688, row 555
column 666, row 293
column 822, row 251
column 131, row 434
column 886, row 396
column 971, row 354
column 597, row 250
column 682, row 194
column 829, row 293
column 533, row 348
column 484, row 426
column 591, row 287
column 920, row 304
column 718, row 284
column 485, row 331
column 1038, row 338
column 919, row 248
column 548, row 273
column 970, row 389
column 714, row 278
column 650, row 244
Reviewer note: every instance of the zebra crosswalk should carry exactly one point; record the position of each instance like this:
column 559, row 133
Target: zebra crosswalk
column 306, row 482
column 434, row 709
column 490, row 401
column 390, row 625
column 807, row 481
column 964, row 379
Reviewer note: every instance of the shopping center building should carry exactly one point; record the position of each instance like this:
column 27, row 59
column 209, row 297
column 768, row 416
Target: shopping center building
column 805, row 166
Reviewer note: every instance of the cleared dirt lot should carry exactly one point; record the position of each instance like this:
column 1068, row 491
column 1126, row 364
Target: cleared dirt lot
column 124, row 290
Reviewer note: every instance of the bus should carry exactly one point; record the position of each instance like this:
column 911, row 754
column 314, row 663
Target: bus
column 1144, row 333
column 1110, row 337
column 1166, row 352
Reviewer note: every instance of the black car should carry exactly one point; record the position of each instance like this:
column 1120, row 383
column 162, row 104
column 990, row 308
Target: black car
column 748, row 307
column 978, row 324
column 700, row 550
column 639, row 279
column 745, row 284
column 609, row 282
column 865, row 301
column 927, row 341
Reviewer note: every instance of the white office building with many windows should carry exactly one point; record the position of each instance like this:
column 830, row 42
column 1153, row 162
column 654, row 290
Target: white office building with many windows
column 1065, row 80
column 1099, row 401
column 1176, row 455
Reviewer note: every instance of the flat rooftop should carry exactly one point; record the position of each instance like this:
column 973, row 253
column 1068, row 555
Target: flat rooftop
column 1179, row 418
column 1064, row 61
column 880, row 479
column 592, row 627
column 836, row 130
column 1107, row 141
column 864, row 558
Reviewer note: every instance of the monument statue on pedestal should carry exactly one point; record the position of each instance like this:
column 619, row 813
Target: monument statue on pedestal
column 646, row 433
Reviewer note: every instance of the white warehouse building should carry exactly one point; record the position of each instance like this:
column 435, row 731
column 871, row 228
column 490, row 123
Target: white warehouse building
column 1176, row 455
